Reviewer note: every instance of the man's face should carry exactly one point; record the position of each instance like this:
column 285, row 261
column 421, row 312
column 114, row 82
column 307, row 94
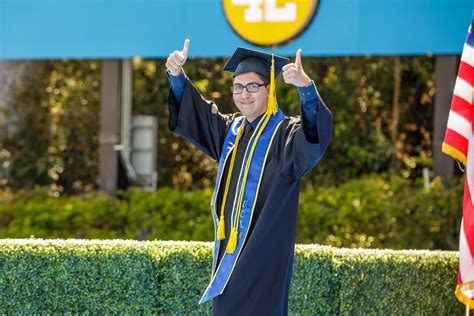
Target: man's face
column 251, row 104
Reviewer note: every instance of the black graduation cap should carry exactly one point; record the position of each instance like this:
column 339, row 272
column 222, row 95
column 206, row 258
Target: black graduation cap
column 248, row 60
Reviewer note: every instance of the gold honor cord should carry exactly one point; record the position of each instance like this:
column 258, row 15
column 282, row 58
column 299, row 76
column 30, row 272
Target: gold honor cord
column 235, row 223
column 271, row 110
column 221, row 227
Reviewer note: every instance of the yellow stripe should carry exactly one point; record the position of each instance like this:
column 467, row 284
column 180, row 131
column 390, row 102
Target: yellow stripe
column 242, row 167
column 235, row 199
column 453, row 152
column 221, row 225
column 219, row 179
column 235, row 223
column 213, row 210
column 246, row 172
column 253, row 207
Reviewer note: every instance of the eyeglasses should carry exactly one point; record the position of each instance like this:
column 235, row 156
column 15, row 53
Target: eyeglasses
column 251, row 87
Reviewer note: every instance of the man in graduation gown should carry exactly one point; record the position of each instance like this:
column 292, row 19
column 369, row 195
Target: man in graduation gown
column 262, row 156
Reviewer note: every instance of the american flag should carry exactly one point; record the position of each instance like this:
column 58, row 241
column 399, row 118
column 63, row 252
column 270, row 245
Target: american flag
column 459, row 143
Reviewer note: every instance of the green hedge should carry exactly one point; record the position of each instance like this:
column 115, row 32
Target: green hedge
column 382, row 212
column 370, row 212
column 97, row 277
column 165, row 214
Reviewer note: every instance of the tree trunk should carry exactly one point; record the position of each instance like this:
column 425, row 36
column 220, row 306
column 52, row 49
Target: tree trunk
column 396, row 96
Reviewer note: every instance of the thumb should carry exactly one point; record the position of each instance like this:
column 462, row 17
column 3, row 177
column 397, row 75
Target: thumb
column 298, row 62
column 185, row 49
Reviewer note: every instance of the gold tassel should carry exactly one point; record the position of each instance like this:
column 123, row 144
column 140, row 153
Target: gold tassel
column 232, row 241
column 221, row 228
column 272, row 106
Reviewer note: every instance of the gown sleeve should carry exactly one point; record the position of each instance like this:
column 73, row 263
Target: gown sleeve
column 305, row 138
column 198, row 120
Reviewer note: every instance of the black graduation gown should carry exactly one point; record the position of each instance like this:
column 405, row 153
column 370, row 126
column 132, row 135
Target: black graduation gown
column 260, row 282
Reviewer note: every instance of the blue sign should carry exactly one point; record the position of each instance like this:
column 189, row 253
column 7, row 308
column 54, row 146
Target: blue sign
column 49, row 29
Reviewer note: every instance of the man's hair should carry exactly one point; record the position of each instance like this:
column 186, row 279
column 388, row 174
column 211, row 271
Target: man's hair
column 265, row 80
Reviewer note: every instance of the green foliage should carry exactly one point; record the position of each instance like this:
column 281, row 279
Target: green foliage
column 24, row 151
column 74, row 99
column 397, row 282
column 39, row 214
column 314, row 285
column 54, row 111
column 56, row 127
column 99, row 277
column 168, row 278
column 378, row 212
column 358, row 90
column 180, row 164
column 166, row 214
column 371, row 212
column 169, row 214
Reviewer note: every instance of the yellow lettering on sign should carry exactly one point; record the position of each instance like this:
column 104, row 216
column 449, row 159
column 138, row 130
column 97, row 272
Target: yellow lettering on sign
column 269, row 22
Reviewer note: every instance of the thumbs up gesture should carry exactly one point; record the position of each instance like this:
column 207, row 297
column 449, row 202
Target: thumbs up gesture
column 294, row 74
column 177, row 59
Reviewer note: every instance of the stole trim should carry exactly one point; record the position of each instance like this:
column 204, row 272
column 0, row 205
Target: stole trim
column 220, row 278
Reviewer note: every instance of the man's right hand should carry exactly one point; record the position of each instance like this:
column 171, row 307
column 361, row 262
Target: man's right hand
column 177, row 59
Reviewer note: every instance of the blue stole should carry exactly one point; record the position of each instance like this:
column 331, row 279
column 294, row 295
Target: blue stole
column 222, row 275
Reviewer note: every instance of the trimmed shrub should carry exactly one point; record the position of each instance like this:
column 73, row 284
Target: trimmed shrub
column 36, row 213
column 97, row 277
column 381, row 212
column 169, row 214
column 397, row 282
column 370, row 212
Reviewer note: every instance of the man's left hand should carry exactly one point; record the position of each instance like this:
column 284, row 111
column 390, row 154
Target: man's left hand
column 294, row 74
